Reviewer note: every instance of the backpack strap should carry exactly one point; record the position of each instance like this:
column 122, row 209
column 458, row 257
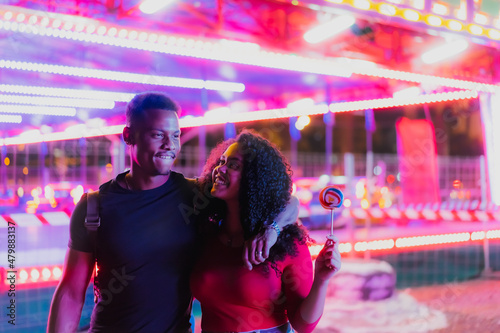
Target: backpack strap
column 92, row 223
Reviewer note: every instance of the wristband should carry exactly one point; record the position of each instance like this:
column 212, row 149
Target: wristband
column 276, row 227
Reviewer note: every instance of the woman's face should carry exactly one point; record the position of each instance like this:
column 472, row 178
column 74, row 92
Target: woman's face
column 226, row 176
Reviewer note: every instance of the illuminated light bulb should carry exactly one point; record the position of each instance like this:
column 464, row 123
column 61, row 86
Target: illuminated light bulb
column 132, row 34
column 23, row 275
column 475, row 29
column 493, row 34
column 302, row 122
column 13, row 119
column 33, row 19
column 123, row 33
column 335, row 1
column 8, row 16
column 56, row 272
column 45, row 21
column 362, row 4
column 433, row 20
column 345, row 247
column 411, row 15
column 35, row 274
column 439, row 9
column 478, row 235
column 112, row 32
column 68, row 25
column 386, row 9
column 445, row 51
column 90, row 29
column 455, row 25
column 365, row 204
column 46, row 273
column 56, row 23
column 101, row 30
column 143, row 36
column 20, row 17
column 153, row 38
column 480, row 19
column 79, row 27
column 329, row 29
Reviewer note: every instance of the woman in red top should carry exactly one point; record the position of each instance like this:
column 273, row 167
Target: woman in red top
column 249, row 181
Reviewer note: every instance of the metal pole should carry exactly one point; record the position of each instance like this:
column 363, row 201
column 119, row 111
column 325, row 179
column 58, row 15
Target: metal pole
column 486, row 244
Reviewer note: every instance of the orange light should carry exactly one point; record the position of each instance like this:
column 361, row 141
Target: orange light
column 25, row 170
column 457, row 184
column 365, row 204
column 6, row 161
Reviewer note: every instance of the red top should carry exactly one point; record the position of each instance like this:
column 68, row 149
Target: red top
column 234, row 299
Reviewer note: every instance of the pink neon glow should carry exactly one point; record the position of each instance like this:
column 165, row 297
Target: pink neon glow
column 216, row 51
column 254, row 116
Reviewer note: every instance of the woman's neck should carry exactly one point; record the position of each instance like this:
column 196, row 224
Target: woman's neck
column 232, row 224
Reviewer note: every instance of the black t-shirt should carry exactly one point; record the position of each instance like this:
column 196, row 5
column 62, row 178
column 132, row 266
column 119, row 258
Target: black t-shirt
column 146, row 246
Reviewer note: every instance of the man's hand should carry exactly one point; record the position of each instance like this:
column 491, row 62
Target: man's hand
column 256, row 250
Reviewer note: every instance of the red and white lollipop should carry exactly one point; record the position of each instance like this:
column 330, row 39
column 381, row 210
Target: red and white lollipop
column 330, row 198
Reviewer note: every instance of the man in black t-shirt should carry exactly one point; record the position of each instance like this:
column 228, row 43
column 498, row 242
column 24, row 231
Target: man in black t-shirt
column 147, row 240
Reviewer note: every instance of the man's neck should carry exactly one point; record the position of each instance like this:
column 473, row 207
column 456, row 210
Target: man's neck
column 136, row 181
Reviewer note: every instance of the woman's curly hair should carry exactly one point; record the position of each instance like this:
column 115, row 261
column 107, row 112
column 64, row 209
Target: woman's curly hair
column 265, row 189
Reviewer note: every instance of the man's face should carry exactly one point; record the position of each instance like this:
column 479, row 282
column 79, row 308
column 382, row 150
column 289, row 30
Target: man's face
column 156, row 141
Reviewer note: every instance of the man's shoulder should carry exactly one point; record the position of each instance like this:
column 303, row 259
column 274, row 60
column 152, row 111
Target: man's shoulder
column 181, row 179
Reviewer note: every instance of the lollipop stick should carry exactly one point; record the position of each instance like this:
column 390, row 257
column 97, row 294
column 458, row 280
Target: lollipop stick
column 329, row 241
column 331, row 222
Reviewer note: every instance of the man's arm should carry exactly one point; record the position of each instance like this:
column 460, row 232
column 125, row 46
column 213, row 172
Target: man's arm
column 69, row 297
column 256, row 250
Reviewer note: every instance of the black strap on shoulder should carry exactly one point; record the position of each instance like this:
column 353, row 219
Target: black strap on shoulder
column 92, row 223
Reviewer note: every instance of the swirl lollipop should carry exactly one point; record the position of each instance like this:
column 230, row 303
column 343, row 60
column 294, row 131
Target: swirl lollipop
column 330, row 198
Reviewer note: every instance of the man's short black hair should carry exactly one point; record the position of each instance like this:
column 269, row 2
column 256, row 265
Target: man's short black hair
column 149, row 100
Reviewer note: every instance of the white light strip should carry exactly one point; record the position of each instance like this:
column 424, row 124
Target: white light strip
column 55, row 101
column 329, row 29
column 156, row 80
column 262, row 115
column 153, row 6
column 64, row 92
column 401, row 101
column 7, row 118
column 42, row 110
column 445, row 51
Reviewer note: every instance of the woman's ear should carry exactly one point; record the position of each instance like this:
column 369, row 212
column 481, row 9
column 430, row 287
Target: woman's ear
column 127, row 136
